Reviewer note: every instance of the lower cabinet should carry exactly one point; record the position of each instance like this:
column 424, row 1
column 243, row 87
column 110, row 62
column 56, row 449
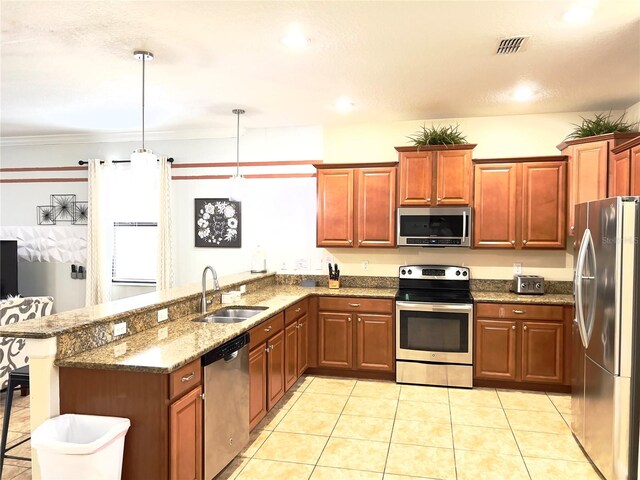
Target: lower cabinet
column 185, row 425
column 527, row 344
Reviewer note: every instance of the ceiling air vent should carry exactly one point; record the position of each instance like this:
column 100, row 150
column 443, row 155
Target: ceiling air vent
column 511, row 45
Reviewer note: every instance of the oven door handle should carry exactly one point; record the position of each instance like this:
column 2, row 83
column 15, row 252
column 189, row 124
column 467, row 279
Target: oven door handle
column 424, row 307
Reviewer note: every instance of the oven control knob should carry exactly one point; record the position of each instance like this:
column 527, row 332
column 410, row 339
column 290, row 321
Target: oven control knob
column 538, row 285
column 409, row 272
column 523, row 285
column 403, row 271
column 464, row 274
column 457, row 273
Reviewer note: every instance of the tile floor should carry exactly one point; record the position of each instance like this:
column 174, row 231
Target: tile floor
column 330, row 428
column 19, row 428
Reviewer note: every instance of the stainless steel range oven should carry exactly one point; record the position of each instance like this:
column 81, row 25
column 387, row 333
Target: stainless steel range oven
column 434, row 326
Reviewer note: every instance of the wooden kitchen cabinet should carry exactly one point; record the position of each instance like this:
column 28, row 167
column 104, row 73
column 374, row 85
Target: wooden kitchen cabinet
column 435, row 175
column 275, row 369
column 296, row 341
column 356, row 205
column 590, row 165
column 624, row 169
column 520, row 204
column 367, row 347
column 522, row 346
column 185, row 427
column 257, row 384
column 291, row 355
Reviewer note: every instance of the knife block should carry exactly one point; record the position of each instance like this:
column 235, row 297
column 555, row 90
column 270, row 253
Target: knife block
column 334, row 283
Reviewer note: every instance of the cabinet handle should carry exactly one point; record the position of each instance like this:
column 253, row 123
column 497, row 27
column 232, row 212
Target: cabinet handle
column 525, row 327
column 429, row 199
column 297, row 326
column 513, row 327
column 298, row 309
column 350, row 241
column 359, row 319
column 349, row 319
column 513, row 242
column 268, row 329
column 519, row 311
column 439, row 199
column 301, row 324
column 524, row 242
column 354, row 304
column 267, row 349
column 186, row 378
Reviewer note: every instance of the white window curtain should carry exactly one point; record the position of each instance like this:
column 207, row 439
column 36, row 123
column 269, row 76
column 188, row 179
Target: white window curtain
column 164, row 277
column 99, row 233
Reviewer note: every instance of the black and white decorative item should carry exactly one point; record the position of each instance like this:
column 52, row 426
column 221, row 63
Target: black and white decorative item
column 46, row 215
column 217, row 223
column 80, row 213
column 63, row 207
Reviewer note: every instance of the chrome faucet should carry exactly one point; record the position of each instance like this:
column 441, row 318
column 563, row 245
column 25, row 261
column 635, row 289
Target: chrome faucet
column 216, row 286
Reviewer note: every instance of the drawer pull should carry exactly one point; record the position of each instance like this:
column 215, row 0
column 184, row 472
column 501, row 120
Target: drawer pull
column 519, row 311
column 513, row 242
column 349, row 319
column 525, row 327
column 524, row 242
column 268, row 329
column 354, row 304
column 513, row 327
column 298, row 309
column 186, row 378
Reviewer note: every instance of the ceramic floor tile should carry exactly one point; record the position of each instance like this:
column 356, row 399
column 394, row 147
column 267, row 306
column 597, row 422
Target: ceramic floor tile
column 320, row 402
column 422, row 433
column 26, row 475
column 301, row 384
column 419, row 393
column 365, row 388
column 336, row 386
column 364, row 428
column 549, row 422
column 422, row 411
column 308, row 422
column 478, row 397
column 413, row 460
column 233, row 469
column 9, row 472
column 354, row 454
column 256, row 439
column 549, row 445
column 289, row 400
column 562, row 401
column 272, row 419
column 479, row 416
column 391, row 476
column 518, row 400
column 371, row 407
column 258, row 469
column 545, row 469
column 485, row 439
column 292, row 447
column 473, row 465
column 331, row 473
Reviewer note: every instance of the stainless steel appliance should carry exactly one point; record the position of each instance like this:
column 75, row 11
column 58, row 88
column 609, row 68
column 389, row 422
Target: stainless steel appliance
column 605, row 390
column 527, row 284
column 434, row 326
column 434, row 227
column 226, row 403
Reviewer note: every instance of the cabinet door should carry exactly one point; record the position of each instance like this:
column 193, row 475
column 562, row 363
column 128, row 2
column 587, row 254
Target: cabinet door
column 620, row 174
column 495, row 349
column 543, row 205
column 542, row 352
column 275, row 369
column 588, row 165
column 416, row 178
column 335, row 208
column 257, row 384
column 291, row 355
column 303, row 344
column 376, row 206
column 374, row 345
column 335, row 340
column 185, row 425
column 635, row 171
column 453, row 177
column 494, row 224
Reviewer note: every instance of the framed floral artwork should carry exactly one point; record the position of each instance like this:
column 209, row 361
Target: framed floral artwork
column 217, row 223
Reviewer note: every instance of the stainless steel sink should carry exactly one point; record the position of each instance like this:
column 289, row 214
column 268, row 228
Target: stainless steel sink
column 231, row 315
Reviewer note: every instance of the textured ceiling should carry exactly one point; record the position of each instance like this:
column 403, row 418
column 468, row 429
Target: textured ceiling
column 67, row 67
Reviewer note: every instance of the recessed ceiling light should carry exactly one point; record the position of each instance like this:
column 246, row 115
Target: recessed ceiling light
column 344, row 105
column 577, row 14
column 295, row 38
column 523, row 93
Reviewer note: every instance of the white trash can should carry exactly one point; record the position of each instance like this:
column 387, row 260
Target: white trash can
column 80, row 446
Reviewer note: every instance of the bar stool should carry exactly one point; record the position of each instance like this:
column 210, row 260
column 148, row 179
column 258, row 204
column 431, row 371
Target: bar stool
column 17, row 378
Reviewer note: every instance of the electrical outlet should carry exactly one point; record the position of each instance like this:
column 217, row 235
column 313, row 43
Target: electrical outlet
column 163, row 314
column 243, row 289
column 119, row 329
column 365, row 265
column 517, row 268
column 163, row 333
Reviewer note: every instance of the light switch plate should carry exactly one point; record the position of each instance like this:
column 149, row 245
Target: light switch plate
column 163, row 314
column 517, row 268
column 119, row 329
column 243, row 289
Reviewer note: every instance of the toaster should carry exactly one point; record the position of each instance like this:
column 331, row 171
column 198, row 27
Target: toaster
column 528, row 284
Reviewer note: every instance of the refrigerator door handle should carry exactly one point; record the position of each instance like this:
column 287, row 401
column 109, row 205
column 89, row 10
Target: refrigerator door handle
column 577, row 285
column 588, row 322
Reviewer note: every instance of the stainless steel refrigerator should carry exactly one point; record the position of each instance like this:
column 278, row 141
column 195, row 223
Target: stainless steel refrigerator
column 604, row 400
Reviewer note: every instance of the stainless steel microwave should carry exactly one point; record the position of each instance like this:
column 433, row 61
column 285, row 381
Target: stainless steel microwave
column 434, row 227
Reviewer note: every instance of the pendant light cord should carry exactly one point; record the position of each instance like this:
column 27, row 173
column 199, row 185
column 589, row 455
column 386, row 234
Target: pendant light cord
column 238, row 145
column 143, row 72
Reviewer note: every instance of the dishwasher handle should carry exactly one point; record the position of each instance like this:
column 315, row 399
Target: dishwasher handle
column 227, row 351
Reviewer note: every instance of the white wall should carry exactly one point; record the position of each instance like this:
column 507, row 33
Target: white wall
column 632, row 114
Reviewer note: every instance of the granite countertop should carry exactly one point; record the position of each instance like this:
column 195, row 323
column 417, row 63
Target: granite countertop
column 510, row 297
column 170, row 345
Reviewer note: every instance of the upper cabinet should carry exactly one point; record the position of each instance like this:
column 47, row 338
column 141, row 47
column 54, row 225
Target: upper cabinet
column 520, row 203
column 435, row 175
column 356, row 205
column 593, row 171
column 624, row 169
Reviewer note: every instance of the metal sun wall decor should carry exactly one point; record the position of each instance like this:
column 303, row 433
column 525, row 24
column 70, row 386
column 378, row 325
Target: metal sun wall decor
column 217, row 223
column 63, row 208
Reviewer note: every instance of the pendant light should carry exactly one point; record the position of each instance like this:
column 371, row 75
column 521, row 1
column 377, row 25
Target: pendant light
column 141, row 156
column 237, row 180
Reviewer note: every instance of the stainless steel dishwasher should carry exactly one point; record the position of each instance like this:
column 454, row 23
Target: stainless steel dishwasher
column 226, row 403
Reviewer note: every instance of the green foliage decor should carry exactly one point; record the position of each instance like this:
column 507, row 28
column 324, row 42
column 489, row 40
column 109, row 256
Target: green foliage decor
column 600, row 125
column 440, row 135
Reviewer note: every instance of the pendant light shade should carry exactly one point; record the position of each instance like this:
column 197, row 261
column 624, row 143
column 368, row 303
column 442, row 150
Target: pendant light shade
column 237, row 181
column 143, row 155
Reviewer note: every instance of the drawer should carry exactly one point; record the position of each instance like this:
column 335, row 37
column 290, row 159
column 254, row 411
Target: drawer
column 260, row 333
column 520, row 311
column 184, row 379
column 354, row 304
column 296, row 311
